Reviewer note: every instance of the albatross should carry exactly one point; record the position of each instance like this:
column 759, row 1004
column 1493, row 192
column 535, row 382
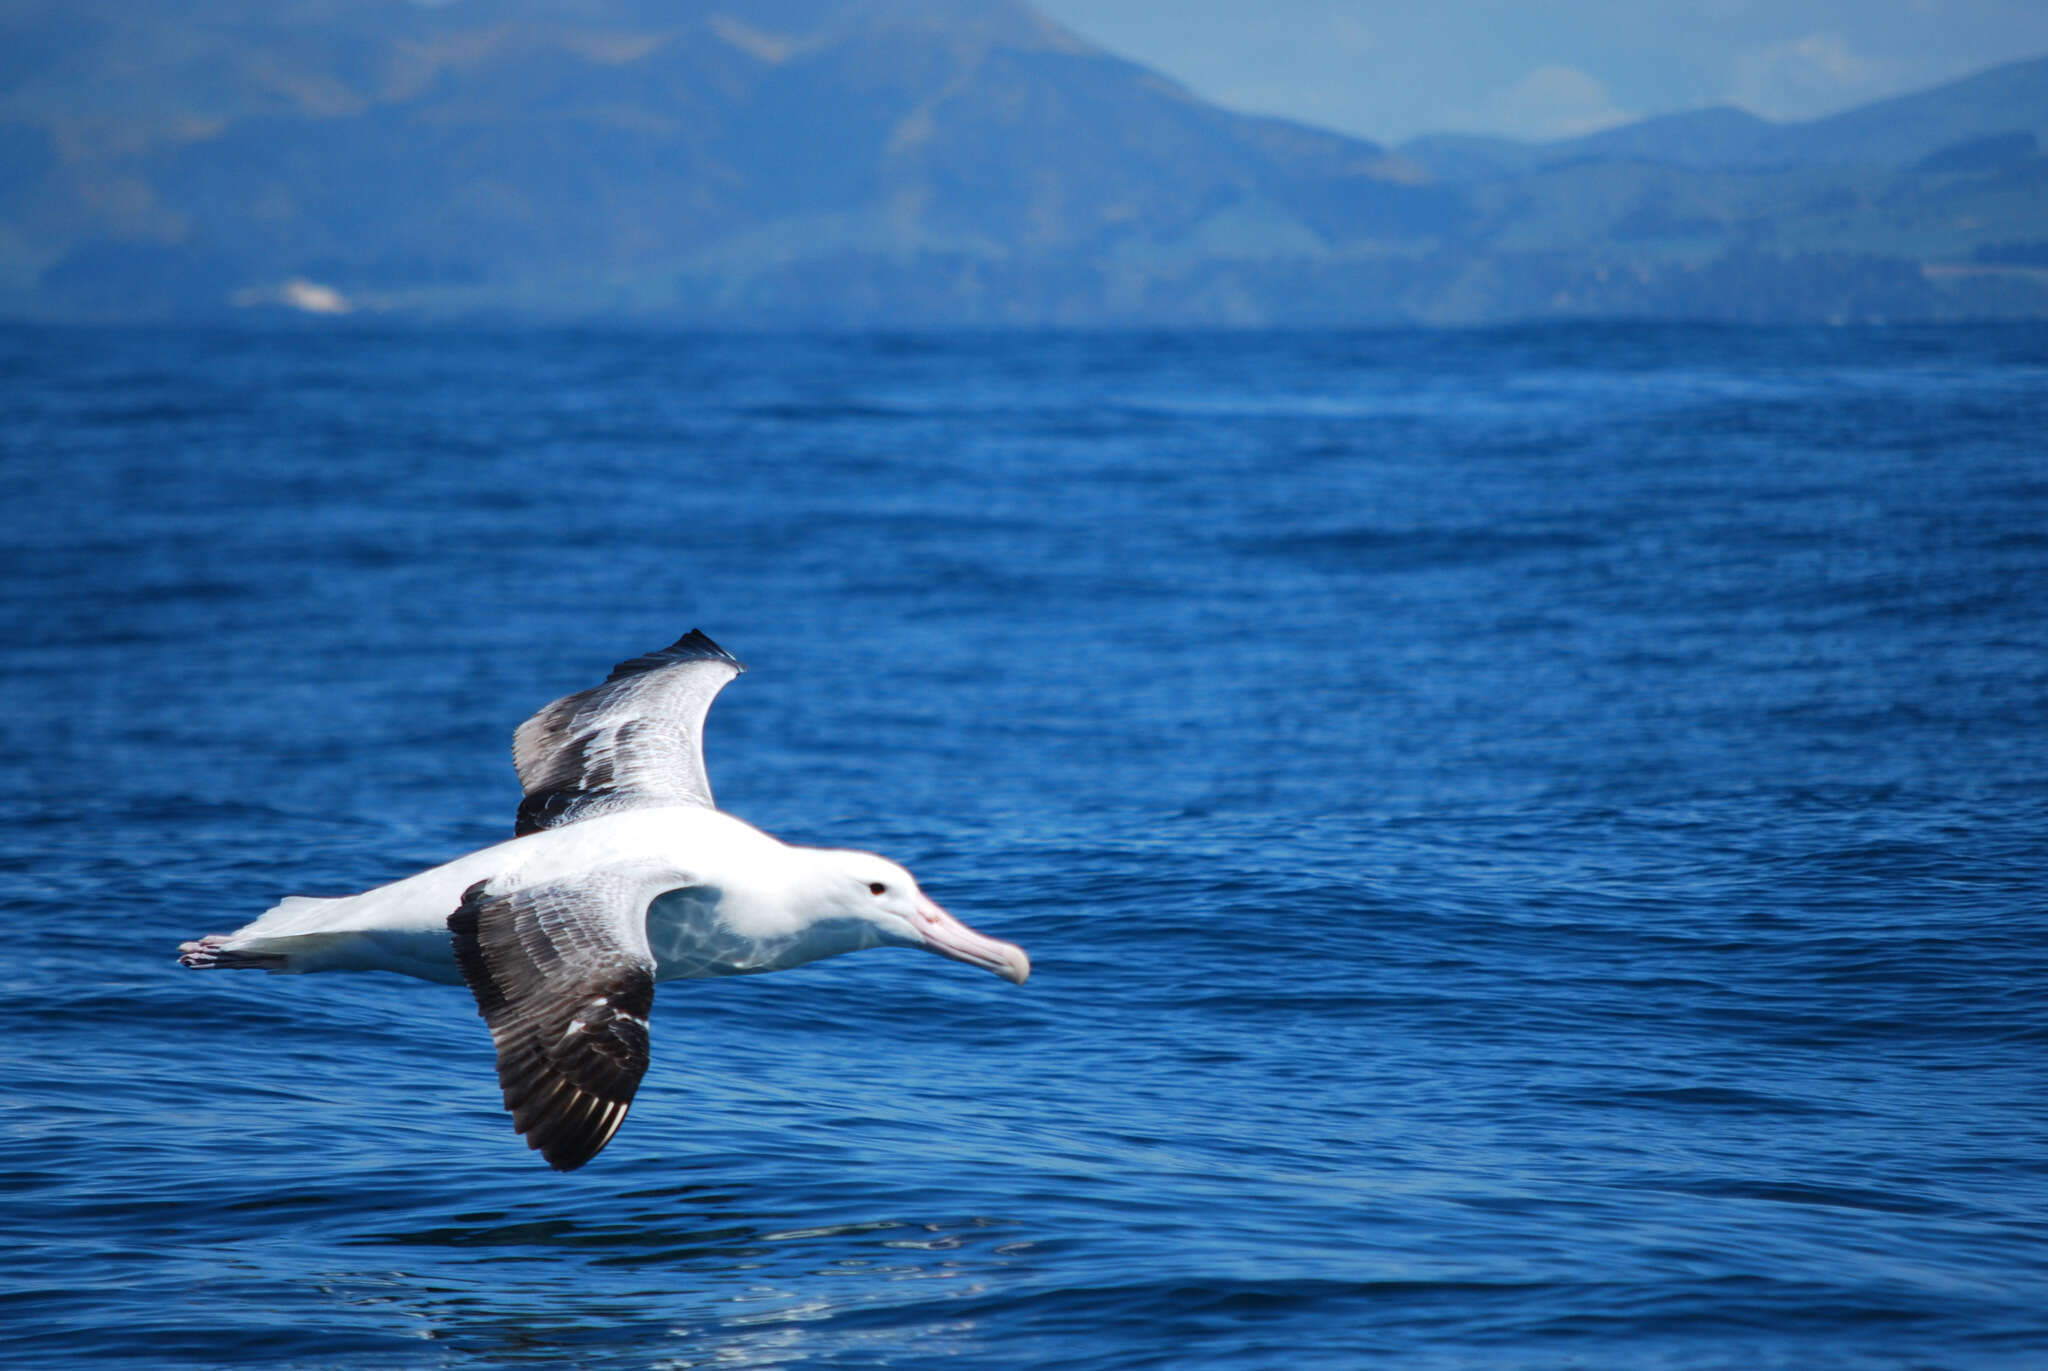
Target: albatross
column 621, row 874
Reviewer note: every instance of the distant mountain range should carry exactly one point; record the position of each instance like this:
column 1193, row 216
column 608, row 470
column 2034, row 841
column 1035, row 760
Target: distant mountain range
column 920, row 162
column 1900, row 132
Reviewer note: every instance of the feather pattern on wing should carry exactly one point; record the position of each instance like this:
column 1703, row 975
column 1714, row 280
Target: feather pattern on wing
column 563, row 975
column 637, row 740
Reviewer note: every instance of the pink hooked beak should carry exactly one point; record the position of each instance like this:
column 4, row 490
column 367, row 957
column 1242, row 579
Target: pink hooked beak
column 948, row 937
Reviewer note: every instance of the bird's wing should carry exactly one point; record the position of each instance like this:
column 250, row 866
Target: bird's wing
column 563, row 975
column 637, row 740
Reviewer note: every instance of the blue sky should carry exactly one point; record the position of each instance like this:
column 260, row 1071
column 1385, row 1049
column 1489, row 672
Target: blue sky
column 1387, row 72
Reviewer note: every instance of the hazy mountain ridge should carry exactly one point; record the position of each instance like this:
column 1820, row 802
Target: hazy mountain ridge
column 1893, row 132
column 919, row 161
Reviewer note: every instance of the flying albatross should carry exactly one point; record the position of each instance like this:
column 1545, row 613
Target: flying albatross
column 621, row 874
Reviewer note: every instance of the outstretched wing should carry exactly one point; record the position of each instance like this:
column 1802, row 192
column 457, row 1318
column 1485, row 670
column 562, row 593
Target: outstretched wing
column 637, row 740
column 563, row 975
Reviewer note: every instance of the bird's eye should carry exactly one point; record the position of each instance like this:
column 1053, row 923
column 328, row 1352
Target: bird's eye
column 877, row 888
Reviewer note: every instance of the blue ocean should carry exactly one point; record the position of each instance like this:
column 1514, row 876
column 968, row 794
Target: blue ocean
column 1531, row 841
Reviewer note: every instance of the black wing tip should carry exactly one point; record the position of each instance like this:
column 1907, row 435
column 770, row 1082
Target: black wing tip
column 694, row 646
column 567, row 1144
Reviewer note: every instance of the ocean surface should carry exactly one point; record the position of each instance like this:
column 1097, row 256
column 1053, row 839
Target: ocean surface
column 1532, row 843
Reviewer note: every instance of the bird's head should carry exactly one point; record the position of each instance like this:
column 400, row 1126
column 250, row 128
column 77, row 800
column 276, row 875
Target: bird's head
column 881, row 894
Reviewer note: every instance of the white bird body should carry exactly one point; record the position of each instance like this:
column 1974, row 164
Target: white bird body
column 622, row 875
column 731, row 913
